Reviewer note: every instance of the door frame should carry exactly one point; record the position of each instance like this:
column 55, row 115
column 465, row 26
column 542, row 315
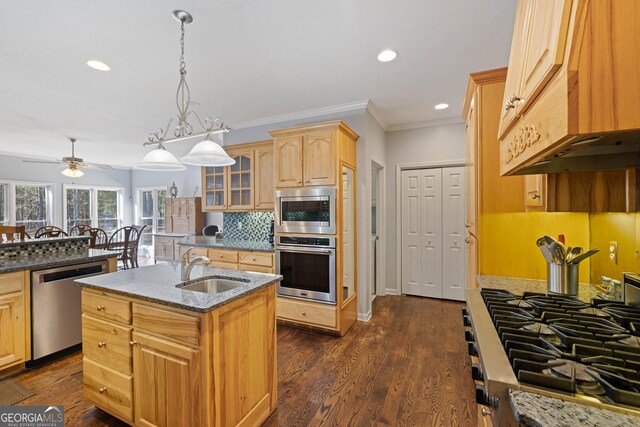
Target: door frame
column 381, row 228
column 398, row 199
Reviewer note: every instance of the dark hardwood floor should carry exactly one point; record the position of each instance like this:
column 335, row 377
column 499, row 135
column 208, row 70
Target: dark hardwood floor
column 408, row 366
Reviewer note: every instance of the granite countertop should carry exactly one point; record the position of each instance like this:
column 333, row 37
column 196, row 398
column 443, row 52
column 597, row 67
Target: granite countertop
column 6, row 243
column 535, row 410
column 211, row 242
column 165, row 234
column 517, row 285
column 33, row 262
column 157, row 283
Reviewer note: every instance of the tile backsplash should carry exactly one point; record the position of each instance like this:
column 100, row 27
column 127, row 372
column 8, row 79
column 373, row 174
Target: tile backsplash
column 255, row 225
column 43, row 248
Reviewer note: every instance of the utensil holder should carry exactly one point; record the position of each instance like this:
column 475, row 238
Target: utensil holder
column 563, row 278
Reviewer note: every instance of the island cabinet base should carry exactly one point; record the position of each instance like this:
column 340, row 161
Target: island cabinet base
column 182, row 368
column 318, row 316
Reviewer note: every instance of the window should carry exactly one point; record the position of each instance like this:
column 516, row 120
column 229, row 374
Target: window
column 32, row 206
column 94, row 206
column 151, row 208
column 3, row 204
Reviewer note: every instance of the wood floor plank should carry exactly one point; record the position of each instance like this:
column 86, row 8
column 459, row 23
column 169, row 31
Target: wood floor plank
column 408, row 366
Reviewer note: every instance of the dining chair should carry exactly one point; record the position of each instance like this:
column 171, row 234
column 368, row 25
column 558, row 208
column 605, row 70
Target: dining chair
column 10, row 232
column 79, row 230
column 136, row 245
column 123, row 240
column 98, row 237
column 49, row 231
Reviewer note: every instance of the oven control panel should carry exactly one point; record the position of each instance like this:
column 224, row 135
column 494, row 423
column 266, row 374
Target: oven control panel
column 305, row 241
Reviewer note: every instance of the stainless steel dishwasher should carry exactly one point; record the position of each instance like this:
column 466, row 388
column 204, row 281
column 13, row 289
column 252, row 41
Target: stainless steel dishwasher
column 56, row 307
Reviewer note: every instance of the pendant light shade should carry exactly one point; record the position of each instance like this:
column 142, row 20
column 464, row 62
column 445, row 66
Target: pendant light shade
column 159, row 159
column 207, row 153
column 72, row 172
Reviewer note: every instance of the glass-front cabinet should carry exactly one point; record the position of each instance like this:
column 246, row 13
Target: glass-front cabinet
column 214, row 187
column 241, row 180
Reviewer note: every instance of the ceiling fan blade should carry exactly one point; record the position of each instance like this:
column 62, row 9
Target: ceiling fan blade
column 96, row 166
column 45, row 162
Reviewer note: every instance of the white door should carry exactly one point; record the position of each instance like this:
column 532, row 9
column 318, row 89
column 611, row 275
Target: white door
column 453, row 211
column 433, row 210
column 431, row 232
column 411, row 236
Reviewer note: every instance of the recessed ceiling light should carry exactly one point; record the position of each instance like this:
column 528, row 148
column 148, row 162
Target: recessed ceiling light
column 387, row 55
column 441, row 106
column 98, row 65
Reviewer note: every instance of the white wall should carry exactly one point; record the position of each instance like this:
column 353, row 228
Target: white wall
column 14, row 169
column 430, row 145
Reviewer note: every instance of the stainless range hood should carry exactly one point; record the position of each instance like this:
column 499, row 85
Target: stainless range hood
column 620, row 150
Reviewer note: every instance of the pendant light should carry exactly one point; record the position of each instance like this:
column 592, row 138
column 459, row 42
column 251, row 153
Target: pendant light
column 205, row 153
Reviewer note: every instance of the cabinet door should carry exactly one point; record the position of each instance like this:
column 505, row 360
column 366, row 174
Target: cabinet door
column 264, row 160
column 168, row 211
column 514, row 75
column 288, row 157
column 319, row 159
column 214, row 189
column 166, row 387
column 535, row 190
column 471, row 260
column 548, row 24
column 471, row 163
column 12, row 329
column 241, row 181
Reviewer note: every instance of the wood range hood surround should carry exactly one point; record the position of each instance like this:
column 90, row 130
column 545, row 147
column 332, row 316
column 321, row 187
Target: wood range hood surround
column 572, row 99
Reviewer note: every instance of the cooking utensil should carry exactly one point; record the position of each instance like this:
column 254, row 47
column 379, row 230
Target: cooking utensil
column 541, row 242
column 571, row 254
column 549, row 239
column 546, row 253
column 583, row 256
column 561, row 239
column 558, row 252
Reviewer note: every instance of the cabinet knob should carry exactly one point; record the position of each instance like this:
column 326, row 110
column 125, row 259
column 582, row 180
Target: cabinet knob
column 512, row 102
column 102, row 389
column 466, row 241
column 100, row 307
column 102, row 344
column 485, row 412
column 221, row 256
column 132, row 343
column 254, row 260
column 304, row 313
column 308, row 180
column 535, row 195
column 467, row 226
column 299, row 182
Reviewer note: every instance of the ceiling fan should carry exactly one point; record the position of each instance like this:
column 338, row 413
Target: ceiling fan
column 73, row 163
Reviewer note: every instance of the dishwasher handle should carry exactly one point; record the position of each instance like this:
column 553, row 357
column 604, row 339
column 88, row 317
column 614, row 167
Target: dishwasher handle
column 69, row 272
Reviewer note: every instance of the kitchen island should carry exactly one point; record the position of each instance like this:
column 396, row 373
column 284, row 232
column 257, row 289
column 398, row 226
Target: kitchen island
column 157, row 354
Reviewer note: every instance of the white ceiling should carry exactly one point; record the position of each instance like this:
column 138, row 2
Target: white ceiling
column 246, row 60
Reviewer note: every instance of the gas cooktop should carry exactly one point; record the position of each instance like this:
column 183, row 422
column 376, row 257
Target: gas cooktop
column 563, row 344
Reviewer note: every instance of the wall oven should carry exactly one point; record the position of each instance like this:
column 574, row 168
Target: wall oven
column 306, row 210
column 308, row 267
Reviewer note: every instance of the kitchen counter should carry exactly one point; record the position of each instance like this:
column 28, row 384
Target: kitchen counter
column 50, row 260
column 163, row 234
column 242, row 245
column 157, row 283
column 8, row 243
column 518, row 286
column 535, row 410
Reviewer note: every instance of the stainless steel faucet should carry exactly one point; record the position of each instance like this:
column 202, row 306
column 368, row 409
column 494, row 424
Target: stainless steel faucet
column 186, row 266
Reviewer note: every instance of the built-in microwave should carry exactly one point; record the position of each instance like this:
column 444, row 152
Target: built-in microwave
column 306, row 210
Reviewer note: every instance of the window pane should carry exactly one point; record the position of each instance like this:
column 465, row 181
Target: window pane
column 147, row 204
column 78, row 207
column 162, row 195
column 3, row 203
column 108, row 209
column 31, row 206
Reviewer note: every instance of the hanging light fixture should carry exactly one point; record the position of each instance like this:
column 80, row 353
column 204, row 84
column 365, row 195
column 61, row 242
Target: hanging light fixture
column 72, row 171
column 205, row 153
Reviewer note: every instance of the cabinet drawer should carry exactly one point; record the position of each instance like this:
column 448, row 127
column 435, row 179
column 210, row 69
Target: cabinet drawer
column 224, row 256
column 256, row 258
column 175, row 326
column 11, row 282
column 106, row 307
column 306, row 312
column 228, row 265
column 255, row 268
column 108, row 389
column 107, row 343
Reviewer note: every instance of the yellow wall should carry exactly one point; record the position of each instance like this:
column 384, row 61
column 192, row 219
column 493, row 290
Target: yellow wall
column 508, row 242
column 619, row 227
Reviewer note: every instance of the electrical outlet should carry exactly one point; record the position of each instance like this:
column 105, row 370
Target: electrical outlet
column 613, row 251
column 239, row 225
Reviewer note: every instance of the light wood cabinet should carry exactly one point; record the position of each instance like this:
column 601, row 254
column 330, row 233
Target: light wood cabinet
column 244, row 186
column 12, row 319
column 535, row 192
column 307, row 156
column 167, row 390
column 164, row 247
column 261, row 262
column 577, row 81
column 181, row 367
column 184, row 215
column 471, row 155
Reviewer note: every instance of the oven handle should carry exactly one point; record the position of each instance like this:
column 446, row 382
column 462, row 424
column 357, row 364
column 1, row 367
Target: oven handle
column 306, row 251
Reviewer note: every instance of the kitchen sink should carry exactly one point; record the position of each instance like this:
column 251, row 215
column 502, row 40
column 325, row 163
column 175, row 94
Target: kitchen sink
column 212, row 285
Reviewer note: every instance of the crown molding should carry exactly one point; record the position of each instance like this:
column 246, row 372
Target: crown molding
column 425, row 124
column 306, row 114
column 377, row 116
